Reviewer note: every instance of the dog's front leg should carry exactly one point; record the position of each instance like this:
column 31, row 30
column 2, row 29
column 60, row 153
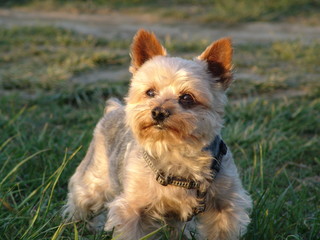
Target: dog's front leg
column 227, row 223
column 218, row 225
column 125, row 216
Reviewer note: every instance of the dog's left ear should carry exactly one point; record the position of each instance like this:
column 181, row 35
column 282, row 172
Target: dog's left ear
column 145, row 46
column 219, row 59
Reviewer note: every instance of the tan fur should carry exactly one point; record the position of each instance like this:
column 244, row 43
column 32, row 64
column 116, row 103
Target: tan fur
column 114, row 176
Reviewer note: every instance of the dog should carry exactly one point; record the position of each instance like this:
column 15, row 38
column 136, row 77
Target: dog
column 159, row 159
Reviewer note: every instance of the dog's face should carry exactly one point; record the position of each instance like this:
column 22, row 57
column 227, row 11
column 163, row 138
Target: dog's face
column 173, row 101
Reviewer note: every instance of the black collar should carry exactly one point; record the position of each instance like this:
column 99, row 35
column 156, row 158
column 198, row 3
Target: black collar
column 218, row 149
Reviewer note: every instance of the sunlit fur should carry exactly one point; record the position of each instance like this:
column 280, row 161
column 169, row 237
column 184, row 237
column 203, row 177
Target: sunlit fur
column 170, row 77
column 114, row 177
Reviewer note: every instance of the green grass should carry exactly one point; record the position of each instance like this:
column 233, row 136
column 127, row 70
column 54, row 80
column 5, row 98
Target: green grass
column 276, row 66
column 49, row 57
column 205, row 11
column 46, row 125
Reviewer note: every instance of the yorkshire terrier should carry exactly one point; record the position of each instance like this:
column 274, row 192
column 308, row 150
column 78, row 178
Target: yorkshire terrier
column 159, row 159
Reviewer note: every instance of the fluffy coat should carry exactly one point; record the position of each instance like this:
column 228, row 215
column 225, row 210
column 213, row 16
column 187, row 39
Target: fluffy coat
column 114, row 177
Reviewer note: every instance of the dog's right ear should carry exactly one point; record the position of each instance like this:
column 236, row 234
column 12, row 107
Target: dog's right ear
column 145, row 46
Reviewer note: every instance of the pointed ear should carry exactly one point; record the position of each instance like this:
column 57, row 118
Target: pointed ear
column 219, row 59
column 145, row 46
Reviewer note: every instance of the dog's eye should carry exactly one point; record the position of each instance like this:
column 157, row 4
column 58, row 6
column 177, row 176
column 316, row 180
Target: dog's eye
column 186, row 100
column 151, row 93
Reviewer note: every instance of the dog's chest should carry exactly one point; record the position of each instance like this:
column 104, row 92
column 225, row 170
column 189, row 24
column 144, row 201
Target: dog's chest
column 173, row 203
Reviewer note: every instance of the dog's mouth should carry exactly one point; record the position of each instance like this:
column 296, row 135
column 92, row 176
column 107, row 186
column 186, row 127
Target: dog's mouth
column 156, row 125
column 159, row 126
column 164, row 131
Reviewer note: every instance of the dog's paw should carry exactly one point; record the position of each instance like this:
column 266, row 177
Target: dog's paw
column 96, row 224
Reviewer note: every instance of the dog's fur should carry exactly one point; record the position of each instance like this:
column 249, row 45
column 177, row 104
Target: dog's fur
column 113, row 176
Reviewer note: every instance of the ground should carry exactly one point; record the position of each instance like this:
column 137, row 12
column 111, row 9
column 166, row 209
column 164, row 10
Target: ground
column 113, row 25
column 57, row 69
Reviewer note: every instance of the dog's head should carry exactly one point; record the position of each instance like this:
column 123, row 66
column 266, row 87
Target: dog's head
column 174, row 101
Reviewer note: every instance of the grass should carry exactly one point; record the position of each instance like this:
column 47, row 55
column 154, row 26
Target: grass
column 204, row 11
column 50, row 57
column 46, row 124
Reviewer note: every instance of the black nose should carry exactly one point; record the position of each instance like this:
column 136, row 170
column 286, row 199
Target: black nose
column 160, row 114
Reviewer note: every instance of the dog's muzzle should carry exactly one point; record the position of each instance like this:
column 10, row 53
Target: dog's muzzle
column 159, row 114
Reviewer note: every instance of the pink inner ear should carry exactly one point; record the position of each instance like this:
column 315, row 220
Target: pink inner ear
column 145, row 46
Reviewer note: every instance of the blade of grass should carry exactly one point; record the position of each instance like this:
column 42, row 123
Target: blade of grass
column 34, row 219
column 153, row 233
column 182, row 231
column 20, row 164
column 261, row 166
column 17, row 115
column 6, row 142
column 59, row 231
column 76, row 234
column 58, row 174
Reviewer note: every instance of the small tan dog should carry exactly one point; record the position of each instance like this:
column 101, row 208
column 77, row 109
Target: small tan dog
column 160, row 159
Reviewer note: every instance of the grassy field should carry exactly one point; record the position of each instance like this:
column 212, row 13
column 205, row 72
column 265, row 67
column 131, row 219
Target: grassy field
column 46, row 124
column 204, row 11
